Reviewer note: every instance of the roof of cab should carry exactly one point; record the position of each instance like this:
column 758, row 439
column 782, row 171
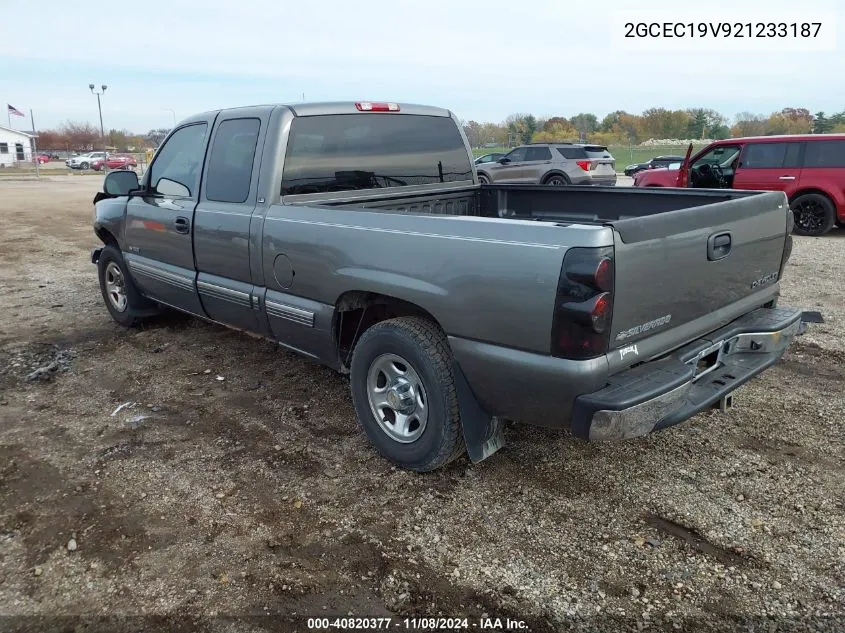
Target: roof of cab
column 322, row 108
column 348, row 107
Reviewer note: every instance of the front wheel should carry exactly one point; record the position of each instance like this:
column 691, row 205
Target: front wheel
column 814, row 214
column 404, row 393
column 83, row 166
column 126, row 305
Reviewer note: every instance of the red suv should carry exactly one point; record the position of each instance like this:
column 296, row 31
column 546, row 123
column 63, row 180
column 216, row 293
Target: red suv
column 809, row 168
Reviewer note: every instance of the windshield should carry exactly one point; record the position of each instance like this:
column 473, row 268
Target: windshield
column 343, row 152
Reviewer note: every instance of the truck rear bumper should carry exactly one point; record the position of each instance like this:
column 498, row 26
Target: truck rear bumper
column 664, row 392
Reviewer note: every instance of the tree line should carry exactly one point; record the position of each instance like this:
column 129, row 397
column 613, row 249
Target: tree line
column 617, row 128
column 74, row 136
column 623, row 128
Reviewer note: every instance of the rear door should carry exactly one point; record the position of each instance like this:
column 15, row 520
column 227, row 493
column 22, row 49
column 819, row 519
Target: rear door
column 159, row 221
column 769, row 166
column 697, row 268
column 537, row 161
column 223, row 217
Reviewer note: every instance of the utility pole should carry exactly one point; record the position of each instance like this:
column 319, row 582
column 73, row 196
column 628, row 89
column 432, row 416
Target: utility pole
column 100, row 109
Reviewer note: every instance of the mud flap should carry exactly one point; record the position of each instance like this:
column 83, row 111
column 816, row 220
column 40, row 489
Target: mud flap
column 809, row 316
column 482, row 432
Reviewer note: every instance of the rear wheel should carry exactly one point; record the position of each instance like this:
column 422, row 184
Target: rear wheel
column 483, row 179
column 404, row 393
column 556, row 180
column 814, row 214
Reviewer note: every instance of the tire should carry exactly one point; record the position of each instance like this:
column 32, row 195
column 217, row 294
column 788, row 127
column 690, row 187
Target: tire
column 483, row 179
column 432, row 438
column 117, row 284
column 814, row 214
column 83, row 165
column 556, row 180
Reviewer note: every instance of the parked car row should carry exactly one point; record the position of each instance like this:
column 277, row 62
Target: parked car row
column 809, row 169
column 97, row 160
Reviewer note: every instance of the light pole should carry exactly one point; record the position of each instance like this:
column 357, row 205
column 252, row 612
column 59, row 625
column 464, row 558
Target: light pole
column 100, row 108
column 173, row 112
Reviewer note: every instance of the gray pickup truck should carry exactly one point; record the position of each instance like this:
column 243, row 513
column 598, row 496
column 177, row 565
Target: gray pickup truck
column 358, row 235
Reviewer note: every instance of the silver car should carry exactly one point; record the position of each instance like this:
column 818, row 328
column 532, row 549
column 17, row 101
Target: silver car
column 552, row 164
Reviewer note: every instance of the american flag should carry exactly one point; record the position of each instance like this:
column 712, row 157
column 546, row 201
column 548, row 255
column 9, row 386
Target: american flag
column 14, row 110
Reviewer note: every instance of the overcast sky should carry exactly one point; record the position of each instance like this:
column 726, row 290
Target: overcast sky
column 483, row 59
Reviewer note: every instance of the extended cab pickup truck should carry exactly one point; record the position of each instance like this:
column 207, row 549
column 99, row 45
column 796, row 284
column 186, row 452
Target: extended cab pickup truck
column 358, row 235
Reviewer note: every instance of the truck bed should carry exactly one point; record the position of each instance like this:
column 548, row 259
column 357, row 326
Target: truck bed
column 561, row 205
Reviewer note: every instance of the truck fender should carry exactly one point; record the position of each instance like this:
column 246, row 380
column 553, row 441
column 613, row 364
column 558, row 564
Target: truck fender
column 483, row 433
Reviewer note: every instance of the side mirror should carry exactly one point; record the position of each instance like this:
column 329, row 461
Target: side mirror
column 120, row 183
column 504, row 160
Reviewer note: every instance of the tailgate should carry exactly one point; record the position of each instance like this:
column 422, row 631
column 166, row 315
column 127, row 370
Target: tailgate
column 692, row 270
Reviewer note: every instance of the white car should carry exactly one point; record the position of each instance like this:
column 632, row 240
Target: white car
column 84, row 161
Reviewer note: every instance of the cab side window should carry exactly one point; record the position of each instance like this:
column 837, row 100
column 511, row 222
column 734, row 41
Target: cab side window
column 176, row 169
column 231, row 159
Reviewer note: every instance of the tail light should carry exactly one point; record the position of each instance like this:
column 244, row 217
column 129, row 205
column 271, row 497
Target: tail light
column 584, row 304
column 369, row 106
column 583, row 164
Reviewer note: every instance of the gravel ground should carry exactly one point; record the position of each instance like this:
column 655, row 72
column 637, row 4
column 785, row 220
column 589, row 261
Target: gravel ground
column 238, row 485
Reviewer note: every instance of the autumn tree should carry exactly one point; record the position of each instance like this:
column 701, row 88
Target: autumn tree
column 558, row 132
column 51, row 140
column 521, row 127
column 748, row 124
column 585, row 122
column 81, row 137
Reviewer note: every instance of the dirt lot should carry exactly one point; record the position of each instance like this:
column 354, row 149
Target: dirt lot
column 240, row 485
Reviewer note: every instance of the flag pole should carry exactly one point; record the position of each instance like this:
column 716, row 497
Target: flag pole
column 34, row 145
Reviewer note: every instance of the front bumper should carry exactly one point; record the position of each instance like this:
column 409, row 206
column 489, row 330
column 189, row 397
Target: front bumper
column 664, row 392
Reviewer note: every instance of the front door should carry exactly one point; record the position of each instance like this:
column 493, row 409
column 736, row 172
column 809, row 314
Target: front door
column 159, row 220
column 769, row 167
column 512, row 169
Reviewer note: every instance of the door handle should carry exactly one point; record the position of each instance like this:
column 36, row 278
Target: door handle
column 183, row 225
column 718, row 246
column 787, row 178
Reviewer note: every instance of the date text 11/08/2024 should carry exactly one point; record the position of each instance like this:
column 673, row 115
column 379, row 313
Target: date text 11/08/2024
column 417, row 624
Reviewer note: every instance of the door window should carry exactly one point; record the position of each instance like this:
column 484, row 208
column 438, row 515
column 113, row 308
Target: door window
column 538, row 153
column 517, row 155
column 722, row 155
column 231, row 159
column 764, row 155
column 825, row 154
column 176, row 169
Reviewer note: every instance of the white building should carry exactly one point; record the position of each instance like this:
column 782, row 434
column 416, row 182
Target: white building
column 15, row 147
